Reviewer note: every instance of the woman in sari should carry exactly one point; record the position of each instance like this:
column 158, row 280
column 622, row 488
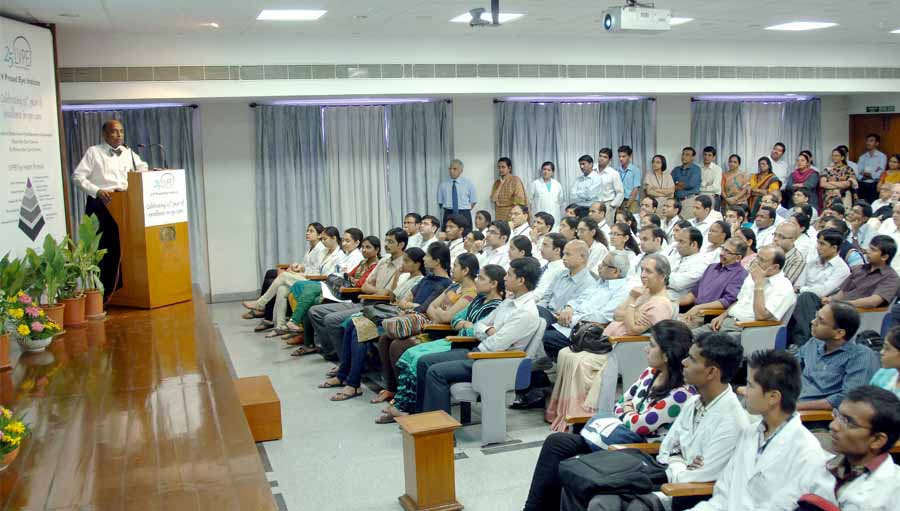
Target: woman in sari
column 838, row 180
column 891, row 174
column 804, row 176
column 579, row 374
column 491, row 291
column 401, row 332
column 735, row 185
column 761, row 183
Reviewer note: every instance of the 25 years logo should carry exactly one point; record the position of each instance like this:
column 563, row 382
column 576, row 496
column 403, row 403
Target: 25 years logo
column 18, row 54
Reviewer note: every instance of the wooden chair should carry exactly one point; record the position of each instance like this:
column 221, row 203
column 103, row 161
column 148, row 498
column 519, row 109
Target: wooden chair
column 873, row 318
column 439, row 330
column 376, row 298
column 351, row 293
column 760, row 335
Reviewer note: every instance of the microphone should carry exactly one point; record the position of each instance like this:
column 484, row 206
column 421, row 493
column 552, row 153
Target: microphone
column 162, row 152
column 133, row 166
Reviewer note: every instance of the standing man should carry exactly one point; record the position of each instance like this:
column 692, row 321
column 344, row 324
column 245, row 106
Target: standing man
column 711, row 176
column 507, row 191
column 457, row 195
column 631, row 178
column 687, row 181
column 586, row 187
column 103, row 170
column 871, row 164
column 545, row 193
column 780, row 166
column 612, row 192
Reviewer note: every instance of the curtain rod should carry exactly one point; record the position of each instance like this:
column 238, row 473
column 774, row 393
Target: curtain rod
column 572, row 100
column 254, row 104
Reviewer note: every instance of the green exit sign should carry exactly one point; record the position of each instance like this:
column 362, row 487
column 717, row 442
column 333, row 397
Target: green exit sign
column 879, row 109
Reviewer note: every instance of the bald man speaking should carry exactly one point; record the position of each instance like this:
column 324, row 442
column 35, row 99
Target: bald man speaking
column 103, row 170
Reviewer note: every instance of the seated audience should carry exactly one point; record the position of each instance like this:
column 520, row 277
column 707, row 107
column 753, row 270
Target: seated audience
column 861, row 476
column 518, row 222
column 773, row 450
column 568, row 227
column 627, row 218
column 703, row 204
column 861, row 231
column 764, row 226
column 551, row 253
column 456, row 227
column 832, row 362
column 508, row 328
column 873, row 284
column 652, row 241
column 773, row 200
column 428, row 229
column 801, row 220
column 568, row 285
column 672, row 251
column 491, row 290
column 412, row 223
column 644, row 413
column 644, row 307
column 851, row 255
column 671, row 215
column 801, row 198
column 649, row 206
column 482, row 220
column 474, row 244
column 890, row 225
column 590, row 233
column 765, row 295
column 597, row 213
column 719, row 285
column 622, row 239
column 749, row 237
column 496, row 239
column 887, row 376
column 688, row 265
column 794, row 261
column 519, row 247
column 718, row 234
column 541, row 226
column 825, row 274
column 698, row 445
column 736, row 218
column 883, row 206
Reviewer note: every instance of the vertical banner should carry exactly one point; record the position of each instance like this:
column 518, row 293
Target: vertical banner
column 31, row 188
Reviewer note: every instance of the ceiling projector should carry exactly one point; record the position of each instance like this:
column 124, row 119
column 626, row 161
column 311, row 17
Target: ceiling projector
column 636, row 18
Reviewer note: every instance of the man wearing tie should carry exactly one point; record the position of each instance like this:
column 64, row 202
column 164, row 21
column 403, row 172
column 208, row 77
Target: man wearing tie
column 456, row 195
column 102, row 171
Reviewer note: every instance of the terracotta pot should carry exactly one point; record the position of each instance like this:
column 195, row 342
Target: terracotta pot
column 4, row 352
column 74, row 312
column 93, row 304
column 56, row 313
column 8, row 458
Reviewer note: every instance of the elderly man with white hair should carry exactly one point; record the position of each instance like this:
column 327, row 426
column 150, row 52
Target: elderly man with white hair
column 457, row 195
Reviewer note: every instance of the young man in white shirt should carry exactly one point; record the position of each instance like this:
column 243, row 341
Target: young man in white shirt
column 412, row 222
column 766, row 295
column 456, row 228
column 862, row 476
column 518, row 222
column 496, row 239
column 710, row 175
column 612, row 192
column 586, row 187
column 773, row 450
column 508, row 328
column 540, row 227
column 825, row 273
column 773, row 200
column 671, row 215
column 703, row 204
column 652, row 239
column 688, row 266
column 598, row 213
column 545, row 193
column 764, row 226
column 552, row 248
column 428, row 229
column 870, row 166
column 779, row 164
column 697, row 447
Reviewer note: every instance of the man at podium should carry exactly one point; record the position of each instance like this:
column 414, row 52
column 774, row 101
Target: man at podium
column 103, row 170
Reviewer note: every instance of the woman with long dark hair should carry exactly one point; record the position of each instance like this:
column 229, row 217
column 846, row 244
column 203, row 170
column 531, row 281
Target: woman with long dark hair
column 761, row 183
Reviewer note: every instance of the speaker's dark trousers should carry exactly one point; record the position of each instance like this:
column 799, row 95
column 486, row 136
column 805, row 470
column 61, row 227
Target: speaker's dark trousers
column 109, row 265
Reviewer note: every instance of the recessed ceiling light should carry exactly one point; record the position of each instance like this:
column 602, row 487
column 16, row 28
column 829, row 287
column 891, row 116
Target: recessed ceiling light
column 802, row 25
column 289, row 15
column 211, row 24
column 486, row 16
column 895, row 31
column 679, row 21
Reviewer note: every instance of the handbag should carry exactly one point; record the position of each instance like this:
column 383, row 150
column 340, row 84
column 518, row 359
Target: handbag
column 379, row 312
column 589, row 337
column 335, row 282
column 625, row 472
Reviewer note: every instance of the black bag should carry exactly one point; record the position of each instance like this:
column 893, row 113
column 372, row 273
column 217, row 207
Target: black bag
column 336, row 282
column 870, row 339
column 625, row 472
column 589, row 337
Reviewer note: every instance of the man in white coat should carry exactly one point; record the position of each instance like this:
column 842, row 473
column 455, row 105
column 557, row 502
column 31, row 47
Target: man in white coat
column 862, row 477
column 776, row 449
column 545, row 193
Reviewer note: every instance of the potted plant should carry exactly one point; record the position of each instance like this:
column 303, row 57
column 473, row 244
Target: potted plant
column 70, row 294
column 12, row 280
column 48, row 276
column 12, row 431
column 4, row 338
column 31, row 327
column 87, row 255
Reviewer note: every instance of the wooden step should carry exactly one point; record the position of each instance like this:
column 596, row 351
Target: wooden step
column 261, row 407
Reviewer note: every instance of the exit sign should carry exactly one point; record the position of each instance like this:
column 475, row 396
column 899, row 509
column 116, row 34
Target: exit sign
column 879, row 109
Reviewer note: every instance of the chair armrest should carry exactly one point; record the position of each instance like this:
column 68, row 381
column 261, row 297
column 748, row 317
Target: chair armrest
column 688, row 489
column 896, row 448
column 577, row 419
column 439, row 327
column 629, row 338
column 317, row 277
column 863, row 310
column 712, row 312
column 815, row 415
column 649, row 448
column 481, row 355
column 375, row 298
column 756, row 324
column 350, row 290
column 282, row 266
column 461, row 339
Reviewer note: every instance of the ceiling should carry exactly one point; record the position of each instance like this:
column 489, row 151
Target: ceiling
column 861, row 21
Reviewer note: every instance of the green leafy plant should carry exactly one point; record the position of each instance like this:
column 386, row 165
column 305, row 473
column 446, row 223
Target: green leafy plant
column 12, row 430
column 13, row 275
column 87, row 254
column 48, row 269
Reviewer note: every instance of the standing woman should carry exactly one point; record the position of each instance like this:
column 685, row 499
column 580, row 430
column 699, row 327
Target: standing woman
column 804, row 176
column 891, row 174
column 659, row 183
column 545, row 193
column 761, row 183
column 838, row 179
column 735, row 185
column 507, row 191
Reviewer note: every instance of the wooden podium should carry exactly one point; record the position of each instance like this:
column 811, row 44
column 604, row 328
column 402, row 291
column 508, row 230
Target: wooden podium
column 153, row 234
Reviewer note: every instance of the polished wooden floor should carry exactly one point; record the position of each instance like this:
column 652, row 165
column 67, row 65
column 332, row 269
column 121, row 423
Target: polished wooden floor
column 137, row 412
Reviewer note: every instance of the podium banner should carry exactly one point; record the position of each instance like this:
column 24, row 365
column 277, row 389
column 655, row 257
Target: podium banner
column 165, row 197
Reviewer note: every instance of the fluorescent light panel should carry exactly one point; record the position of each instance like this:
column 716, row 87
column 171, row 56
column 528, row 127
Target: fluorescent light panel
column 570, row 99
column 895, row 31
column 795, row 26
column 349, row 101
column 753, row 97
column 486, row 16
column 679, row 21
column 118, row 106
column 290, row 15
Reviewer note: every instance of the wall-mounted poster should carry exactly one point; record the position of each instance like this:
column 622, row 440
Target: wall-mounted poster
column 31, row 188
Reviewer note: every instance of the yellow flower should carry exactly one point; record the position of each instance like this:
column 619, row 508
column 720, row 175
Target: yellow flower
column 16, row 313
column 23, row 330
column 41, row 313
column 15, row 440
column 7, row 413
column 12, row 299
column 15, row 427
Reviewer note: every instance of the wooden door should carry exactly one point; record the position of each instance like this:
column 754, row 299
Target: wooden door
column 885, row 125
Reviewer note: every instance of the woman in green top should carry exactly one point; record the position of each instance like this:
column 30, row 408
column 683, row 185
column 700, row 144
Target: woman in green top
column 887, row 376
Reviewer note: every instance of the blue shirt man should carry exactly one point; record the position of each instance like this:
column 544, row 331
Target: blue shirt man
column 631, row 176
column 687, row 175
column 457, row 195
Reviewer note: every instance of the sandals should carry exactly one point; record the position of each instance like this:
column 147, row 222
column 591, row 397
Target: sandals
column 329, row 385
column 383, row 396
column 332, row 372
column 304, row 350
column 296, row 340
column 254, row 314
column 263, row 326
column 251, row 306
column 385, row 418
column 344, row 395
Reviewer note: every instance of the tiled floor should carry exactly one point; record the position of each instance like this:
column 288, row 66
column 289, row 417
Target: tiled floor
column 333, row 455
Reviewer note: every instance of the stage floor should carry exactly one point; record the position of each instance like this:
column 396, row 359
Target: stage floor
column 136, row 412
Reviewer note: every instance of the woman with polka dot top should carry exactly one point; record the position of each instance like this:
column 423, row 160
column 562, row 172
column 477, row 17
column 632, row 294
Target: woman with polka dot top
column 646, row 410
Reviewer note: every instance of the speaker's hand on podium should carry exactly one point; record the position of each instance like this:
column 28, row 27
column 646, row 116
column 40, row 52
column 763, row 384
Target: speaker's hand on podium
column 105, row 195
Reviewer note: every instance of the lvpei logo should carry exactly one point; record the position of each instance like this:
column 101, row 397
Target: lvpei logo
column 18, row 54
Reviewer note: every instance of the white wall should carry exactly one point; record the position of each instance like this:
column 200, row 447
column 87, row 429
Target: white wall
column 858, row 103
column 673, row 127
column 835, row 126
column 473, row 143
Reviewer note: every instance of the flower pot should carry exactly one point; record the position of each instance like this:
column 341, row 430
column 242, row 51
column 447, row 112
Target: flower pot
column 29, row 344
column 93, row 304
column 8, row 458
column 73, row 314
column 55, row 312
column 4, row 352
